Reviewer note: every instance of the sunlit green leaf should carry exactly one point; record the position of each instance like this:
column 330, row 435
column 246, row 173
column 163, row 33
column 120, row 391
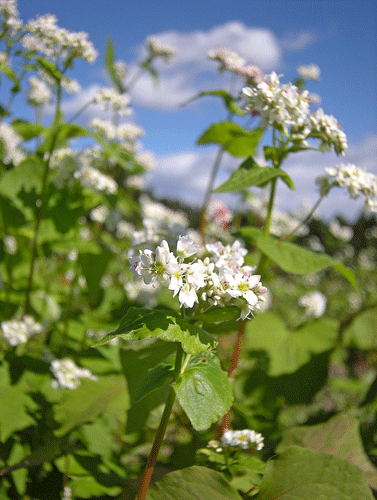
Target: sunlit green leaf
column 204, row 391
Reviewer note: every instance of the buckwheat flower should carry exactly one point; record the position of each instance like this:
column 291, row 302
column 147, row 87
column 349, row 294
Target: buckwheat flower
column 129, row 132
column 61, row 157
column 70, row 85
column 218, row 213
column 68, row 374
column 326, row 129
column 315, row 304
column 10, row 244
column 356, row 180
column 124, row 229
column 244, row 439
column 186, row 247
column 309, row 72
column 146, row 160
column 152, row 266
column 158, row 49
column 9, row 12
column 215, row 444
column 111, row 98
column 228, row 59
column 10, row 142
column 45, row 36
column 17, row 332
column 120, row 69
column 104, row 128
column 99, row 214
column 39, row 92
column 93, row 179
column 251, row 73
column 343, row 233
column 232, row 255
column 67, row 493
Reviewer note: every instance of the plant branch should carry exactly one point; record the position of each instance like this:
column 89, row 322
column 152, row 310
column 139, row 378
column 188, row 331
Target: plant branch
column 152, row 459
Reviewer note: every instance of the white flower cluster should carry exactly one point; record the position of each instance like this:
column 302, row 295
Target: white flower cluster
column 356, row 180
column 284, row 106
column 19, row 331
column 68, row 374
column 228, row 59
column 93, row 179
column 10, row 244
column 343, row 233
column 10, row 145
column 218, row 213
column 158, row 49
column 244, row 439
column 327, row 129
column 44, row 36
column 309, row 72
column 39, row 92
column 218, row 280
column 127, row 133
column 9, row 12
column 109, row 97
column 231, row 61
column 67, row 493
column 99, row 214
column 60, row 157
column 315, row 304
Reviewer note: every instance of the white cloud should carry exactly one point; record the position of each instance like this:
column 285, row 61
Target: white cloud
column 184, row 176
column 298, row 41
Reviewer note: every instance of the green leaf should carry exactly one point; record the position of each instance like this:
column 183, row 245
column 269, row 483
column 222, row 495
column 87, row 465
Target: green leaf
column 293, row 258
column 204, row 391
column 50, row 69
column 14, row 410
column 90, row 399
column 289, row 350
column 301, row 474
column 228, row 99
column 140, row 324
column 93, row 267
column 45, row 305
column 218, row 314
column 233, row 138
column 156, row 378
column 362, row 331
column 193, row 483
column 109, row 63
column 250, row 174
column 339, row 437
column 136, row 361
column 27, row 130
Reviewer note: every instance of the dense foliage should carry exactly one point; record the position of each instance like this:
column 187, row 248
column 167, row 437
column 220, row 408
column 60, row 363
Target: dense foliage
column 136, row 342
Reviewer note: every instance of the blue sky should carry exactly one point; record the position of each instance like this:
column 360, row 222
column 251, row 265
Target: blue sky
column 337, row 35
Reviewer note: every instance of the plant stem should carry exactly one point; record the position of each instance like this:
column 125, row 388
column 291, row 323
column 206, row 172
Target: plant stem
column 225, row 424
column 152, row 459
column 303, row 222
column 83, row 108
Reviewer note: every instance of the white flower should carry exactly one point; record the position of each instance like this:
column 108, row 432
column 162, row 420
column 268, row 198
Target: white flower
column 104, row 128
column 315, row 304
column 356, row 180
column 109, row 97
column 309, row 72
column 99, row 214
column 19, row 331
column 39, row 92
column 186, row 247
column 10, row 141
column 228, row 59
column 158, row 265
column 68, row 374
column 157, row 49
column 10, row 244
column 327, row 130
column 120, row 69
column 93, row 179
column 344, row 233
column 244, row 439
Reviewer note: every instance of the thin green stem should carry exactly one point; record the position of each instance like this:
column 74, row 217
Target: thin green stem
column 267, row 224
column 83, row 108
column 135, row 78
column 309, row 216
column 152, row 459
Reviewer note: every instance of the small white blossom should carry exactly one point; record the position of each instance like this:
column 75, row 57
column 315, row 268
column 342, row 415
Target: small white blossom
column 344, row 233
column 309, row 72
column 93, row 179
column 244, row 439
column 228, row 59
column 68, row 374
column 19, row 331
column 120, row 69
column 315, row 304
column 10, row 244
column 158, row 49
column 356, row 180
column 99, row 214
column 39, row 92
column 111, row 98
column 11, row 142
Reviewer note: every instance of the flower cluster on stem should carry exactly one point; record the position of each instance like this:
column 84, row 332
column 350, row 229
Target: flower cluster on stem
column 220, row 279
